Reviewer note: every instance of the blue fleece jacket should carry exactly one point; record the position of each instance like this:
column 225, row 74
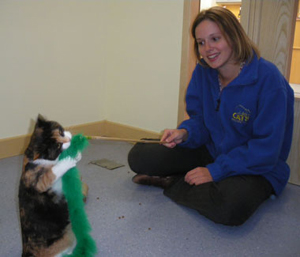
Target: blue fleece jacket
column 247, row 127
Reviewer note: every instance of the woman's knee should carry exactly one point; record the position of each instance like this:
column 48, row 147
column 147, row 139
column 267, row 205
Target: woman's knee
column 230, row 213
column 143, row 158
column 134, row 159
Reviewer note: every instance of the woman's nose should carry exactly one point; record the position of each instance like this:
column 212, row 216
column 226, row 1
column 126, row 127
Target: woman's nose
column 208, row 47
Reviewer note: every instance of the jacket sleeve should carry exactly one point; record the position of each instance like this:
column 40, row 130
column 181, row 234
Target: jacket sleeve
column 197, row 132
column 262, row 152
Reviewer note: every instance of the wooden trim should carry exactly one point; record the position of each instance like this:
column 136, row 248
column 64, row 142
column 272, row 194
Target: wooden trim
column 13, row 146
column 17, row 145
column 90, row 129
column 292, row 38
column 294, row 75
column 188, row 59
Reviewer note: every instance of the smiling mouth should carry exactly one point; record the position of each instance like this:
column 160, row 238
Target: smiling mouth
column 212, row 56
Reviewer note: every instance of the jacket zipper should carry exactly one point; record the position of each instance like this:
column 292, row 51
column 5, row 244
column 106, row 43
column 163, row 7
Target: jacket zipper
column 219, row 100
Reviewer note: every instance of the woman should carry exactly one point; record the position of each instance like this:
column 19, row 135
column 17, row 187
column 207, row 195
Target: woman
column 230, row 155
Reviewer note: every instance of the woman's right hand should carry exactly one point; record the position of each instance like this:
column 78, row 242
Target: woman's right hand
column 173, row 137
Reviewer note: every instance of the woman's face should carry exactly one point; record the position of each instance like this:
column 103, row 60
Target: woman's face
column 212, row 45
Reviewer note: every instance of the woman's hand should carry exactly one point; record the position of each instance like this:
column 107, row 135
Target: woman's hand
column 174, row 137
column 198, row 176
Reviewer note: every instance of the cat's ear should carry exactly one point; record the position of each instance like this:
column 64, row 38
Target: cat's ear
column 41, row 118
column 40, row 121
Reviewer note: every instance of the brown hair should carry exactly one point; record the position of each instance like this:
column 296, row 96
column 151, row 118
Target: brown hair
column 232, row 30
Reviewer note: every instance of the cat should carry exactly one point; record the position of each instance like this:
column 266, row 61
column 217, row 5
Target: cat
column 44, row 216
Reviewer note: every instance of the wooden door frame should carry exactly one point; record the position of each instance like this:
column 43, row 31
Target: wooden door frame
column 188, row 59
column 266, row 20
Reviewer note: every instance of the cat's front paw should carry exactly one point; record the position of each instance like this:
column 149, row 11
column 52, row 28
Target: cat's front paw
column 63, row 166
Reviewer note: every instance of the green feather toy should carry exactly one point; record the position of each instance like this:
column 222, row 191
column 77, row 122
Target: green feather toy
column 72, row 189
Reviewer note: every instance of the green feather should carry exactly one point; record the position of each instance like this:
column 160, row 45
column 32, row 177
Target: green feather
column 78, row 143
column 72, row 189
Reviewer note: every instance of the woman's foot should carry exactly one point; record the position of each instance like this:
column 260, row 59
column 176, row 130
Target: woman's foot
column 163, row 182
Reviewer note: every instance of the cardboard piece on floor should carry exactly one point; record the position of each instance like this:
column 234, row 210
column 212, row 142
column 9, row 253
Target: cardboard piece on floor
column 107, row 164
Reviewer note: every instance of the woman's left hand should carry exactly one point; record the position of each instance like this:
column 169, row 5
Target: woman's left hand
column 198, row 176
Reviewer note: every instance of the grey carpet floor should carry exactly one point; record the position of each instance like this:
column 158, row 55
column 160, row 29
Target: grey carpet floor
column 139, row 221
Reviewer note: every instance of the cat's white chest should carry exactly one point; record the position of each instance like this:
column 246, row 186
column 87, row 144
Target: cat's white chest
column 57, row 187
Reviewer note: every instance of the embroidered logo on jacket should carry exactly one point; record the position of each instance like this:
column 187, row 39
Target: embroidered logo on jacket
column 241, row 114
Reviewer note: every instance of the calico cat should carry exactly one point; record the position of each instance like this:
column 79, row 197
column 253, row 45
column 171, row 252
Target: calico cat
column 44, row 216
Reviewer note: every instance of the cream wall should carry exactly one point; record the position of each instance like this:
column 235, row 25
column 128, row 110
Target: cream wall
column 51, row 62
column 84, row 61
column 143, row 63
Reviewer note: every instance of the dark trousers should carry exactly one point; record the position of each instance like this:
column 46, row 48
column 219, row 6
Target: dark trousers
column 230, row 201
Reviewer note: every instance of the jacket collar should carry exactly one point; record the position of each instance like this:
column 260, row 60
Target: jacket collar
column 248, row 75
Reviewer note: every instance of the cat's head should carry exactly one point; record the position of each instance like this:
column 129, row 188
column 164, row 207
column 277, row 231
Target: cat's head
column 48, row 140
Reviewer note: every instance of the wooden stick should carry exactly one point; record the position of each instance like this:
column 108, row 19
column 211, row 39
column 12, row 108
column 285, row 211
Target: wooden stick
column 147, row 141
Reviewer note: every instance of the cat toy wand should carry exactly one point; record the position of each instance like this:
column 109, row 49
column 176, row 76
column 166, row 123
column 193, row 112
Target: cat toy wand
column 146, row 141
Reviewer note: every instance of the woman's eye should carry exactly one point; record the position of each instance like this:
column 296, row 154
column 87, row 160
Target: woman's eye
column 200, row 43
column 216, row 39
